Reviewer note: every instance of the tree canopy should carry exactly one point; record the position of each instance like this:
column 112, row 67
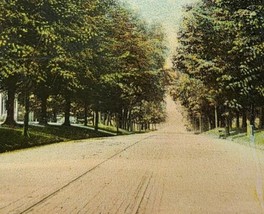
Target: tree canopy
column 221, row 51
column 95, row 54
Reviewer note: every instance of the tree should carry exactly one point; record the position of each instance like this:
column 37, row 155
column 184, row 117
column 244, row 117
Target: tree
column 80, row 51
column 221, row 45
column 17, row 29
column 126, row 55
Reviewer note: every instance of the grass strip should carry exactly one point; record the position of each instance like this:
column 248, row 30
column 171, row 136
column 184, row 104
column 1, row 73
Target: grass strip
column 13, row 139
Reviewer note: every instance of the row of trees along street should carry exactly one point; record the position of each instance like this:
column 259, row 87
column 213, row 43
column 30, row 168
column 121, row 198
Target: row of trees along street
column 220, row 60
column 81, row 56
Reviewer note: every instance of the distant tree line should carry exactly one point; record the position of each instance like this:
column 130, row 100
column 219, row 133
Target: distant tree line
column 81, row 56
column 220, row 59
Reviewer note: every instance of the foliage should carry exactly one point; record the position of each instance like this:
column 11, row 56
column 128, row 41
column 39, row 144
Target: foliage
column 221, row 48
column 82, row 54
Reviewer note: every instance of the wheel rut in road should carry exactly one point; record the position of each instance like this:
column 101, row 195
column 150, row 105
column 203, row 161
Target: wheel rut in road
column 27, row 210
column 168, row 171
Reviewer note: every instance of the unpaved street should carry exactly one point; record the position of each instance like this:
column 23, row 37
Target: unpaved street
column 168, row 171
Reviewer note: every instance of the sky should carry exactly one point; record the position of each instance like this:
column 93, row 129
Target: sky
column 166, row 12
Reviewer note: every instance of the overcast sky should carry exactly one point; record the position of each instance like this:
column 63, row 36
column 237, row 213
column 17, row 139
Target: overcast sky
column 166, row 12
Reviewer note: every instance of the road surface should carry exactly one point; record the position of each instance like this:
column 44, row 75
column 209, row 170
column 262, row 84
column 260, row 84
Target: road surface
column 168, row 171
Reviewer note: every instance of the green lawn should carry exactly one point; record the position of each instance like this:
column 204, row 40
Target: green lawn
column 12, row 138
column 113, row 129
column 243, row 138
column 239, row 136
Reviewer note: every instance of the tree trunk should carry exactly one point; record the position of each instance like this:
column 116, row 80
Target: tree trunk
column 237, row 120
column 216, row 117
column 85, row 114
column 104, row 118
column 227, row 126
column 200, row 123
column 244, row 119
column 109, row 120
column 209, row 123
column 54, row 115
column 117, row 123
column 43, row 115
column 194, row 123
column 10, row 121
column 261, row 118
column 252, row 115
column 96, row 124
column 121, row 119
column 67, row 112
column 26, row 116
column 129, row 123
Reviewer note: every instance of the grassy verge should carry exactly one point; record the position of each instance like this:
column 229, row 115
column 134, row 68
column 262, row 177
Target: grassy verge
column 12, row 138
column 113, row 129
column 243, row 138
column 240, row 136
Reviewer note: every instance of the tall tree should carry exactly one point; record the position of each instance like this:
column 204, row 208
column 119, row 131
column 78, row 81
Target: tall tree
column 221, row 45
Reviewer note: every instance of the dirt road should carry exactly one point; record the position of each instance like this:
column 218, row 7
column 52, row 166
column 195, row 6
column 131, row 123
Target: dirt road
column 168, row 171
